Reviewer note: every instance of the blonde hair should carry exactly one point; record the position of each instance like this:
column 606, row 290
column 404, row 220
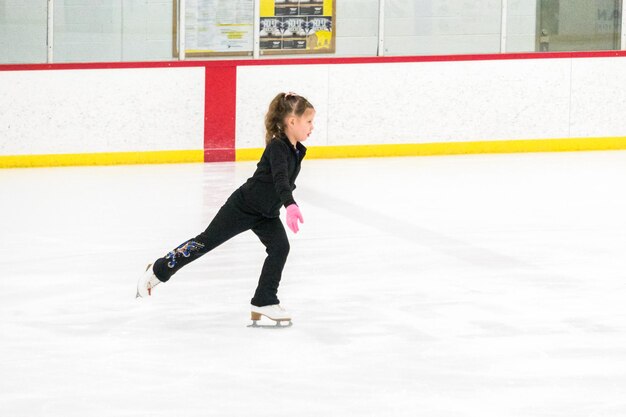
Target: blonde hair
column 282, row 106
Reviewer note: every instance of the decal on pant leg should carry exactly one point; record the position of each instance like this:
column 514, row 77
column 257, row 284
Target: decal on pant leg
column 184, row 250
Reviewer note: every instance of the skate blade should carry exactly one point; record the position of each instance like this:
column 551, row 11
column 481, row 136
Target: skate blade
column 278, row 324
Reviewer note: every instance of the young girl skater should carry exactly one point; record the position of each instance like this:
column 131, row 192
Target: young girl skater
column 255, row 206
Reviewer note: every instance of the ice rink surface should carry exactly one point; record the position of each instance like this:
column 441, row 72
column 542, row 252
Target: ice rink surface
column 486, row 285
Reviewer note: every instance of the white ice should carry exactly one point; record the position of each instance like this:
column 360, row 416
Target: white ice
column 487, row 285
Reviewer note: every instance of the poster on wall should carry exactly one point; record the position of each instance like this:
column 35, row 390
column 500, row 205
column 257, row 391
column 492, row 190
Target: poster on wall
column 219, row 27
column 297, row 26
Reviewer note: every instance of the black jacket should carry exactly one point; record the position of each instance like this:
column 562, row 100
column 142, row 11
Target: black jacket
column 274, row 180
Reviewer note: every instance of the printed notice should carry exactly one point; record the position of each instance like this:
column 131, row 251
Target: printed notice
column 214, row 27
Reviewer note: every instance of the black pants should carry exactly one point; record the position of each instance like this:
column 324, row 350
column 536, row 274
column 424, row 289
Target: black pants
column 233, row 218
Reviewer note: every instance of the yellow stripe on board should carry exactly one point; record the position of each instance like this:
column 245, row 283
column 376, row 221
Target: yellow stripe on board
column 111, row 158
column 452, row 148
column 322, row 152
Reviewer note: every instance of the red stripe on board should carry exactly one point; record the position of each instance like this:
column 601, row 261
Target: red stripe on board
column 432, row 58
column 313, row 61
column 220, row 96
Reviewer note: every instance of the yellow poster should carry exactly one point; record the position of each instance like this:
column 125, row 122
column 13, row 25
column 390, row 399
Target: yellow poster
column 297, row 26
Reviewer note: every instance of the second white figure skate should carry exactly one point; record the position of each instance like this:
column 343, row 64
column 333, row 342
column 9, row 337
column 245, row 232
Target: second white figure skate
column 276, row 313
column 146, row 283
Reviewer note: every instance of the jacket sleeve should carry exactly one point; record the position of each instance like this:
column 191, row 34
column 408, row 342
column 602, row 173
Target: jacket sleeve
column 279, row 165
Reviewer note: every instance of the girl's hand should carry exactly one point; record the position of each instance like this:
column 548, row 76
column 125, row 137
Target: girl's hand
column 293, row 215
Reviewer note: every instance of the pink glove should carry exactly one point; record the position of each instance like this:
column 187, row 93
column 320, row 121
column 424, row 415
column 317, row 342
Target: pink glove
column 293, row 215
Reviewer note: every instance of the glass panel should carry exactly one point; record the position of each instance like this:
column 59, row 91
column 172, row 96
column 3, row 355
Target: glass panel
column 23, row 31
column 578, row 25
column 521, row 25
column 113, row 30
column 430, row 27
column 357, row 28
column 148, row 30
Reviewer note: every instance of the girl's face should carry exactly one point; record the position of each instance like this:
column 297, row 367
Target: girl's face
column 298, row 128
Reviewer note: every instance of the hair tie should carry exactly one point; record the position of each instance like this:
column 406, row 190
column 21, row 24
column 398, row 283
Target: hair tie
column 289, row 95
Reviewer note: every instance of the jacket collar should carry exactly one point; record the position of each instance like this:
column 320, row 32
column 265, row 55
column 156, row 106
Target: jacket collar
column 299, row 146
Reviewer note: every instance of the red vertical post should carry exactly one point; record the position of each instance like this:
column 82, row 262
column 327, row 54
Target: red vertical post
column 219, row 113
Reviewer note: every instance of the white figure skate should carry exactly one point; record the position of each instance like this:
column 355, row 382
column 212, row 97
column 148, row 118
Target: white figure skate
column 275, row 312
column 146, row 283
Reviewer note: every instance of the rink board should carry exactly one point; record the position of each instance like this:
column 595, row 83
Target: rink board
column 126, row 113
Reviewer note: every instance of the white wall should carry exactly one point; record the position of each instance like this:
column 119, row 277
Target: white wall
column 89, row 111
column 449, row 102
column 598, row 100
column 430, row 102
